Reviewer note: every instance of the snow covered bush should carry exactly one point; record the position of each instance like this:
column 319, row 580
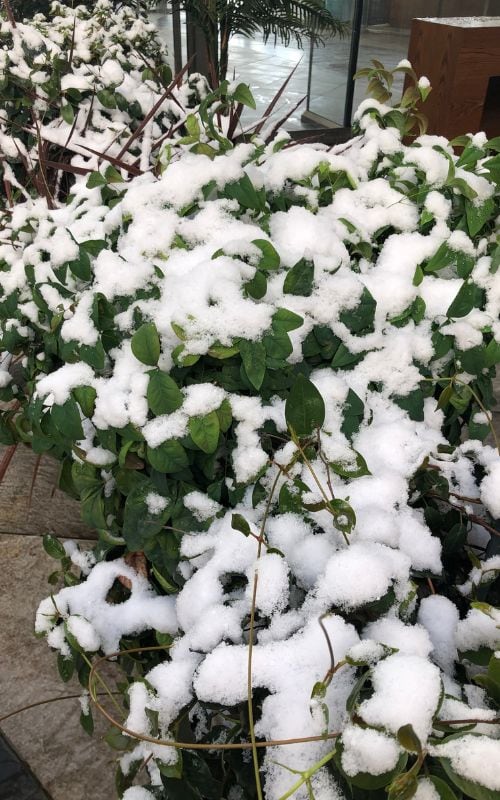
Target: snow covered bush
column 77, row 82
column 267, row 376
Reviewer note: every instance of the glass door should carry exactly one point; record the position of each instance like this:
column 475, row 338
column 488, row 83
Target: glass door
column 377, row 29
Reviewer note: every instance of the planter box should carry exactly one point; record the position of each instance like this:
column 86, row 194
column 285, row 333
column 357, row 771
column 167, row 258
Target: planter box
column 461, row 58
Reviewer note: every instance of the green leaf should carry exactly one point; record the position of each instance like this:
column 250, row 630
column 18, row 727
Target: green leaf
column 355, row 469
column 66, row 419
column 163, row 394
column 257, row 286
column 87, row 722
column 93, row 246
column 239, row 523
column 204, row 431
column 65, row 667
column 106, row 98
column 270, row 257
column 192, row 126
column 299, row 279
column 253, row 356
column 139, row 524
column 85, row 396
column 81, row 266
column 408, row 739
column 353, row 414
column 443, row 789
column 117, row 740
column 285, row 320
column 361, row 318
column 418, row 276
column 344, row 358
column 225, row 415
column 92, row 508
column 492, row 354
column 145, row 344
column 304, row 407
column 243, row 95
column 95, row 179
column 112, row 175
column 478, row 216
column 168, row 457
column 469, row 296
column 67, row 113
column 245, row 193
column 443, row 256
column 491, row 681
column 53, row 547
column 167, row 587
column 412, row 403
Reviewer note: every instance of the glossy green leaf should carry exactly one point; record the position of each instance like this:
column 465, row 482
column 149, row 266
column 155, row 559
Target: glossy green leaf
column 243, row 95
column 285, row 320
column 145, row 344
column 408, row 739
column 65, row 667
column 204, row 431
column 53, row 547
column 163, row 394
column 67, row 113
column 239, row 523
column 168, row 457
column 87, row 722
column 270, row 259
column 304, row 408
column 351, row 469
column 66, row 419
column 299, row 279
column 253, row 356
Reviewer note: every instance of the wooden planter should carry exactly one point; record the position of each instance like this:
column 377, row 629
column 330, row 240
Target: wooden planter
column 462, row 61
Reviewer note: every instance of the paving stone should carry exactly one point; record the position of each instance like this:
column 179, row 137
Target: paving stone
column 69, row 764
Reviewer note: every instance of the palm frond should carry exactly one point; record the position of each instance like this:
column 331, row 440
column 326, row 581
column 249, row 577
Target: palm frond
column 284, row 19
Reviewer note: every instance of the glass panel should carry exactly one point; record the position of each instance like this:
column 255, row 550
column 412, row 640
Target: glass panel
column 385, row 35
column 329, row 69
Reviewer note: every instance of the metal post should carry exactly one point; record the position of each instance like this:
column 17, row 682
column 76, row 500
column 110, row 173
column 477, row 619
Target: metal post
column 176, row 29
column 353, row 60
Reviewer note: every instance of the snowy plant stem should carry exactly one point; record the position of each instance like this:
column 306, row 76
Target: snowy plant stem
column 306, row 776
column 255, row 756
column 103, row 684
column 317, row 481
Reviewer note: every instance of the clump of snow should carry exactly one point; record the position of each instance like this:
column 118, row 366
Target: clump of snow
column 155, row 503
column 407, row 690
column 475, row 758
column 366, row 750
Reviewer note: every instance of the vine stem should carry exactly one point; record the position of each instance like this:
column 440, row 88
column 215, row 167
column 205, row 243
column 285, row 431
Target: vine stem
column 317, row 481
column 46, row 702
column 185, row 745
column 255, row 756
column 307, row 775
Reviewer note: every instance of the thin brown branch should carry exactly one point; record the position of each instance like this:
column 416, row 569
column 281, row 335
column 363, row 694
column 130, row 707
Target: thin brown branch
column 167, row 93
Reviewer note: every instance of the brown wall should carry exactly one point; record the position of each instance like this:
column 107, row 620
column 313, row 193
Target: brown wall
column 401, row 12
